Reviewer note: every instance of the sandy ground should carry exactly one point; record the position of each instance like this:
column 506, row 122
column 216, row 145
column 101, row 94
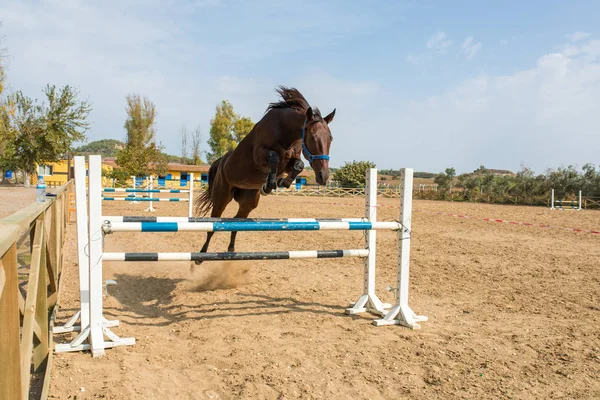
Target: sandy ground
column 514, row 311
column 12, row 199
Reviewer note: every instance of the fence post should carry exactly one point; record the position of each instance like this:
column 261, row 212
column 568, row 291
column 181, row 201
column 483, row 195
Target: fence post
column 10, row 354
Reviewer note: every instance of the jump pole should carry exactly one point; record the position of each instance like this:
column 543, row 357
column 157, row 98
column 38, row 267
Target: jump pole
column 369, row 301
column 401, row 313
column 82, row 241
column 96, row 240
column 151, row 208
column 84, row 271
column 134, row 188
column 191, row 200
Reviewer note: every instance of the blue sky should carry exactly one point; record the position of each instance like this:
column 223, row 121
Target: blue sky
column 423, row 84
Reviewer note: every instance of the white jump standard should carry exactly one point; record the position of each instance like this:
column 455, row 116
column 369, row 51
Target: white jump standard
column 151, row 191
column 565, row 204
column 95, row 327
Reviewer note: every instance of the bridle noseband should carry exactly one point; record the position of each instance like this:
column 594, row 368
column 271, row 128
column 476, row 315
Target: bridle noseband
column 311, row 158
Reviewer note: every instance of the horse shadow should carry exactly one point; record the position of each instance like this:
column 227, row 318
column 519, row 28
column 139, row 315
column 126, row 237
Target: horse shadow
column 151, row 301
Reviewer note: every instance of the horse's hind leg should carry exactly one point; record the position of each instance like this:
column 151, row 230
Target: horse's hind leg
column 219, row 204
column 248, row 201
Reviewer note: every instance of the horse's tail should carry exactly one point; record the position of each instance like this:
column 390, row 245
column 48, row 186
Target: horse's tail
column 204, row 202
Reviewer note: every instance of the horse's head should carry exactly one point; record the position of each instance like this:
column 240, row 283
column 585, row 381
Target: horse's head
column 316, row 143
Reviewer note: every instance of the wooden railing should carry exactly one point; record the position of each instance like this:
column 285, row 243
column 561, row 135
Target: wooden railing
column 31, row 256
column 321, row 191
column 591, row 202
column 456, row 195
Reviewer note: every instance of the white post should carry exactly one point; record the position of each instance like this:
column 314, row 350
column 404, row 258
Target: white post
column 95, row 254
column 369, row 301
column 151, row 208
column 134, row 194
column 552, row 199
column 579, row 201
column 82, row 244
column 191, row 201
column 401, row 313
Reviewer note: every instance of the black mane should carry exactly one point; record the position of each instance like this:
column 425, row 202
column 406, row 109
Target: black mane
column 292, row 98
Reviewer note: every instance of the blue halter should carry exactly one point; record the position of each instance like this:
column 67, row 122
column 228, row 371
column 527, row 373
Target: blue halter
column 311, row 158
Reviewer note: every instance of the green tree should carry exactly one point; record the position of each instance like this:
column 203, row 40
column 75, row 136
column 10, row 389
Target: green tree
column 353, row 175
column 227, row 129
column 40, row 133
column 444, row 179
column 104, row 147
column 141, row 154
column 242, row 127
column 140, row 121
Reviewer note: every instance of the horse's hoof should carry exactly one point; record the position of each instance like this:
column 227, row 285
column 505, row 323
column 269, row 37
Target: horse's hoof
column 282, row 183
column 198, row 262
column 265, row 191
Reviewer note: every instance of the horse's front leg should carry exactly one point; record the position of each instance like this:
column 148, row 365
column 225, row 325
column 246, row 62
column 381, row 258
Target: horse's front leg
column 296, row 166
column 272, row 164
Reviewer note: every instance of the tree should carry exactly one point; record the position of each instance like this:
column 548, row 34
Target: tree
column 353, row 175
column 141, row 154
column 196, row 140
column 104, row 147
column 40, row 133
column 183, row 135
column 444, row 179
column 451, row 173
column 242, row 128
column 140, row 121
column 227, row 129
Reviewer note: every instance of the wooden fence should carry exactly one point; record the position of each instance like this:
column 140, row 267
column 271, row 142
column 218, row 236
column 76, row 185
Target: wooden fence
column 31, row 256
column 457, row 195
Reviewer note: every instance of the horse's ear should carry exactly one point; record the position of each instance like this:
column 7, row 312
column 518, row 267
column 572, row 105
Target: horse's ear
column 329, row 118
column 309, row 113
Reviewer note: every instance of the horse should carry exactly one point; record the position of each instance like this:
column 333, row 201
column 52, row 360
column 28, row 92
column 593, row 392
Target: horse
column 267, row 158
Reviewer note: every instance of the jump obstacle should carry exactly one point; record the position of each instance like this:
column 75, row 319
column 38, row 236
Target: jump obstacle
column 94, row 327
column 151, row 191
column 565, row 204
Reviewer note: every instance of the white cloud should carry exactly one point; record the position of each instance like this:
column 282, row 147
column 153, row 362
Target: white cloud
column 439, row 42
column 543, row 116
column 174, row 52
column 578, row 36
column 469, row 48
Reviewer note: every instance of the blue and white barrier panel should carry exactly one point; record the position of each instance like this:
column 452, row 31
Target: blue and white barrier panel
column 145, row 190
column 142, row 199
column 210, row 219
column 246, row 226
column 272, row 255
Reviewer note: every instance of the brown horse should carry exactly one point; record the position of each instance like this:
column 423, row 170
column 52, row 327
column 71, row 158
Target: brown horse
column 273, row 147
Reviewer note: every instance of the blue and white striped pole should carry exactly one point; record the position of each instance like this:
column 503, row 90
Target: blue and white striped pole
column 246, row 226
column 172, row 199
column 213, row 219
column 128, row 190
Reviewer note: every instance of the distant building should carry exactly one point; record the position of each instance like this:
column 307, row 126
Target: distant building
column 177, row 175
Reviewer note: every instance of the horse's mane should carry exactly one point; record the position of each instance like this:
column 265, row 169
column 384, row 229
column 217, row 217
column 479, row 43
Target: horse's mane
column 292, row 98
